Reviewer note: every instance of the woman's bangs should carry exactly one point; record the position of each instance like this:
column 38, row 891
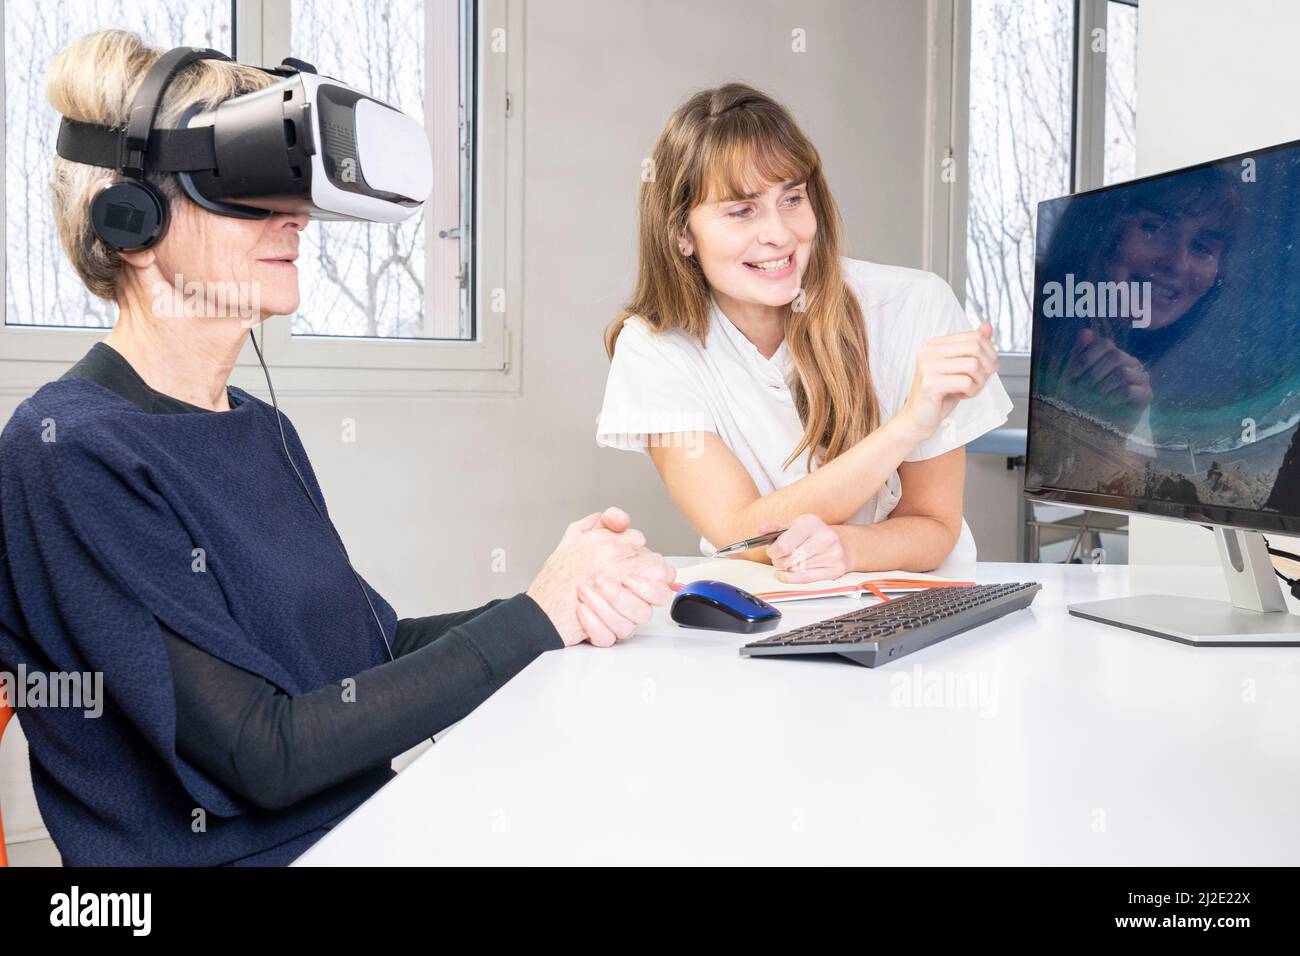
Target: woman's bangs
column 739, row 168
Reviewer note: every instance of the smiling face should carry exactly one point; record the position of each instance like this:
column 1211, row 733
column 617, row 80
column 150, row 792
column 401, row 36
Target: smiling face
column 1178, row 255
column 754, row 249
column 253, row 258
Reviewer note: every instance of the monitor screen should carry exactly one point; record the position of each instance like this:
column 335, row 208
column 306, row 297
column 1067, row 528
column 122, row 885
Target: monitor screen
column 1165, row 366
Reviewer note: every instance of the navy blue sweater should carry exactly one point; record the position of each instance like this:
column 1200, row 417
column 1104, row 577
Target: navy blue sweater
column 115, row 522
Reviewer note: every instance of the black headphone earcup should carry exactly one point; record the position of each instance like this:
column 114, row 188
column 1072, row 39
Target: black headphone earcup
column 129, row 216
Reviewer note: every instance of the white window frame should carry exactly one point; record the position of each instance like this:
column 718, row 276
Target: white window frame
column 312, row 365
column 31, row 355
column 949, row 136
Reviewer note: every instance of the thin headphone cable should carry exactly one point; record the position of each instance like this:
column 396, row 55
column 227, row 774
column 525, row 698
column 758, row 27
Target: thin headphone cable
column 337, row 539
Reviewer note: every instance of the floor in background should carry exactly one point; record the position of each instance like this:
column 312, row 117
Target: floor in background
column 1115, row 547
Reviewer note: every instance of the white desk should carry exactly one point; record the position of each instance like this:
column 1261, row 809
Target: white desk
column 1082, row 744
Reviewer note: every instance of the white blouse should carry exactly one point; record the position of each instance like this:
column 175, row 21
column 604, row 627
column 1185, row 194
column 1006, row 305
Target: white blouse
column 670, row 383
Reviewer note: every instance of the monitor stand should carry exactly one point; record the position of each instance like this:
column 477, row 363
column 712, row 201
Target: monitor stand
column 1256, row 617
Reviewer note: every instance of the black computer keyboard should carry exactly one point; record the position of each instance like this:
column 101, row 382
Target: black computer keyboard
column 891, row 629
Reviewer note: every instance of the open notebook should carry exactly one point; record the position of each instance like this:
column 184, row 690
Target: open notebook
column 761, row 581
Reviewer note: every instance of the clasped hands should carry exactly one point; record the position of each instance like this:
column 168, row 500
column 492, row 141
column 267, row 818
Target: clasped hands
column 601, row 581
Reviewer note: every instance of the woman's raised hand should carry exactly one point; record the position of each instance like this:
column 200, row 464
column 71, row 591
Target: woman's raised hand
column 601, row 581
column 1098, row 366
column 948, row 369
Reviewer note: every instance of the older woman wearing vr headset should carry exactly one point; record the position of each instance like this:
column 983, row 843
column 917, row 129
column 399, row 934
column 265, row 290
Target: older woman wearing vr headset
column 165, row 531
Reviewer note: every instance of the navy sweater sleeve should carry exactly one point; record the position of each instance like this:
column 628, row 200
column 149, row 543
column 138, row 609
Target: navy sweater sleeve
column 275, row 749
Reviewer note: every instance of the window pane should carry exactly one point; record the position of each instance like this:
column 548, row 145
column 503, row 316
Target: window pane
column 41, row 287
column 1020, row 87
column 1121, row 92
column 369, row 279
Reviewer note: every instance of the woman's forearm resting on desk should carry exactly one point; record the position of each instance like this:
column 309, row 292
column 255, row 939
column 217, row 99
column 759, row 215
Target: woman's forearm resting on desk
column 918, row 535
column 910, row 540
column 717, row 495
column 902, row 543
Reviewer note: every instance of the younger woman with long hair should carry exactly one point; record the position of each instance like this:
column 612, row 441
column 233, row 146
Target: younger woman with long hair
column 774, row 383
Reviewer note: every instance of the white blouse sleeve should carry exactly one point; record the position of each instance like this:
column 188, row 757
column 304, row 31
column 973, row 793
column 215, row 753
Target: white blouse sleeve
column 651, row 390
column 942, row 314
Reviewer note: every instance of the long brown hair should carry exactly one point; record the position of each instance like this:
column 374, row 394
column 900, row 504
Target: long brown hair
column 723, row 143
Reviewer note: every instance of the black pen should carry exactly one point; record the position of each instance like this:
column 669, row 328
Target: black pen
column 748, row 543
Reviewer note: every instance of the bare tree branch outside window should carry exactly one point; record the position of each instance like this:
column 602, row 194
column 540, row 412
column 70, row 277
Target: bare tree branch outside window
column 1020, row 133
column 1121, row 93
column 364, row 279
column 40, row 286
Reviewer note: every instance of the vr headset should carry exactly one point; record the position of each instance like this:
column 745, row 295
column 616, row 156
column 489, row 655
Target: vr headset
column 304, row 144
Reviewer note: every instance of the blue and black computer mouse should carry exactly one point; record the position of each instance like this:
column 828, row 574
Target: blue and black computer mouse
column 722, row 607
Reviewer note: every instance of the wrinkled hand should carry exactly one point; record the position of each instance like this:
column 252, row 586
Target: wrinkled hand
column 948, row 369
column 601, row 581
column 810, row 550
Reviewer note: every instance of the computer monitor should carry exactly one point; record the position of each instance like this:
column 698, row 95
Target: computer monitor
column 1165, row 374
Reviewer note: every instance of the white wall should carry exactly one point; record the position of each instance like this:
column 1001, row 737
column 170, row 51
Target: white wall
column 1214, row 79
column 432, row 486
